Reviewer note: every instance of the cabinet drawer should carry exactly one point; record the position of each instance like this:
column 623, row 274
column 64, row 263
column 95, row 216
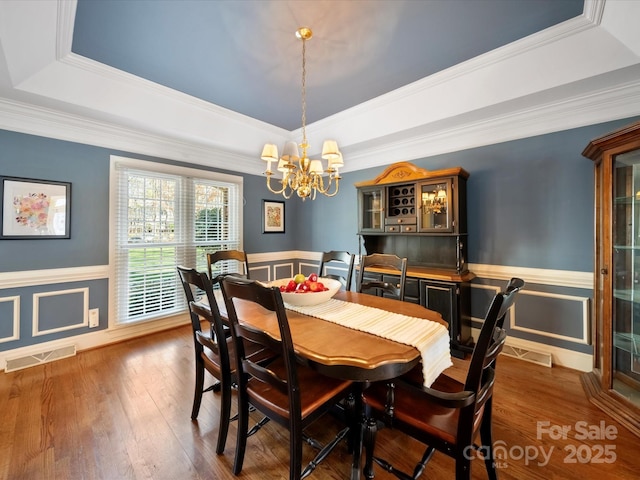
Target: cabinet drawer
column 400, row 220
column 400, row 229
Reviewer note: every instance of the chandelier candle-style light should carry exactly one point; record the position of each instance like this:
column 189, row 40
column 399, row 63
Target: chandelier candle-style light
column 436, row 201
column 299, row 173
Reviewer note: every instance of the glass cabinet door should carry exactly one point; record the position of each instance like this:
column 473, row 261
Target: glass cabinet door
column 625, row 361
column 372, row 209
column 436, row 213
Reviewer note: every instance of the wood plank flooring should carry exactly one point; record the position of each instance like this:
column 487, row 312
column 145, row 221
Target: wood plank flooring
column 123, row 412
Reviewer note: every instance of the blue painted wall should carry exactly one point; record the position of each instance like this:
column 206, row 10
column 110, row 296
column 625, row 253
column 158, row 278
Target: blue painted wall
column 87, row 168
column 530, row 202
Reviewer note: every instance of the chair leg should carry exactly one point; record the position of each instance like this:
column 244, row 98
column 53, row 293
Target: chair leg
column 486, row 436
column 225, row 414
column 241, row 438
column 197, row 394
column 295, row 452
column 463, row 468
column 369, row 440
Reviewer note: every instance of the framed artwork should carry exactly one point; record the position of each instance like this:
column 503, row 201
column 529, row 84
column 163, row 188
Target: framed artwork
column 34, row 209
column 272, row 216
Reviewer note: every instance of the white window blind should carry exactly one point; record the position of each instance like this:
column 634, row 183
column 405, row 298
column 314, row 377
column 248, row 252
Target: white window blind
column 164, row 217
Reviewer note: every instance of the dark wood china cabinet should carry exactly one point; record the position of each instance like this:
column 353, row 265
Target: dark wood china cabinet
column 421, row 215
column 614, row 383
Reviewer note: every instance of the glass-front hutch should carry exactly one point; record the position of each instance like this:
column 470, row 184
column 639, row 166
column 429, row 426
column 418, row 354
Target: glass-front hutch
column 421, row 215
column 614, row 384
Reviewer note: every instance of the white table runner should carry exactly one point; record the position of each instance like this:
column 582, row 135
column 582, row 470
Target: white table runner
column 430, row 338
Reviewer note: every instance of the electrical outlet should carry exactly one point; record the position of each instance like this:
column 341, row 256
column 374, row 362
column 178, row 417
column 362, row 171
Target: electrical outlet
column 94, row 317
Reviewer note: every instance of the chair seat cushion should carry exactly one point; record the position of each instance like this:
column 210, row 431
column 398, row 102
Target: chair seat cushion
column 415, row 409
column 315, row 390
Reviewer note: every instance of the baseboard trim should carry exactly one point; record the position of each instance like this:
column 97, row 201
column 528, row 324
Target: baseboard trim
column 97, row 339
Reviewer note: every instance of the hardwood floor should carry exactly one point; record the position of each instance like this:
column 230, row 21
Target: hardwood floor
column 123, row 412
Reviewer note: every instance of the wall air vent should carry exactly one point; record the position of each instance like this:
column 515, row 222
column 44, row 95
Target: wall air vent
column 540, row 358
column 40, row 358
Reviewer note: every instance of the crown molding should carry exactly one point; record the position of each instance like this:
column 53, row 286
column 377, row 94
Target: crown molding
column 619, row 102
column 46, row 122
column 590, row 108
column 65, row 23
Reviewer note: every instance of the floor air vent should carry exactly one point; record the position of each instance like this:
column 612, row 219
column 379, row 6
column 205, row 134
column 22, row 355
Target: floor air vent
column 40, row 358
column 528, row 355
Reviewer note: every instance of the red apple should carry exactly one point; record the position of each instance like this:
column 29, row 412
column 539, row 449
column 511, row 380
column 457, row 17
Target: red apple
column 291, row 286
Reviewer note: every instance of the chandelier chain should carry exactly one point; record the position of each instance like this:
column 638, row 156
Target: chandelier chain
column 304, row 92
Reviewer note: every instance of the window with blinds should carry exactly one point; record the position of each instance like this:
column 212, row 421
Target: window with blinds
column 165, row 216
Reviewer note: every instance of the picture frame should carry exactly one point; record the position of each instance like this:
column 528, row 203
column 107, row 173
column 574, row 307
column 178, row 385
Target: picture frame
column 272, row 216
column 34, row 209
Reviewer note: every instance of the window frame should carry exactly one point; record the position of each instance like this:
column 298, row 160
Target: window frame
column 185, row 239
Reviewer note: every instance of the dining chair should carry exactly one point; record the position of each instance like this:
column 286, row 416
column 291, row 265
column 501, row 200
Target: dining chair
column 211, row 354
column 289, row 393
column 448, row 415
column 234, row 261
column 337, row 256
column 380, row 287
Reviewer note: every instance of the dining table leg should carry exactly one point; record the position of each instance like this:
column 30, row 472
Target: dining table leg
column 357, row 433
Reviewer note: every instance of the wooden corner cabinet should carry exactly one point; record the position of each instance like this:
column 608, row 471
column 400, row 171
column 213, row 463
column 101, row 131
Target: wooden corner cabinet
column 614, row 383
column 422, row 215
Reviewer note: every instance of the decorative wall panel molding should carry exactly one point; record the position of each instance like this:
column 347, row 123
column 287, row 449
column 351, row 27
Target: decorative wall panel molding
column 40, row 298
column 309, row 267
column 283, row 270
column 264, row 268
column 582, row 304
column 14, row 319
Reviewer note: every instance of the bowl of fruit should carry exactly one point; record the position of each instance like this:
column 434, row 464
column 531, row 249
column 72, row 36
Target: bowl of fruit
column 304, row 291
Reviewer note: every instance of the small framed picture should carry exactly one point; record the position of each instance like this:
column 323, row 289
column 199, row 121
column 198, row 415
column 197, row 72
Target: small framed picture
column 272, row 216
column 34, row 209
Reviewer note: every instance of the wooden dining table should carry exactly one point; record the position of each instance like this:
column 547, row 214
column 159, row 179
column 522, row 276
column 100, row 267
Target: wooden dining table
column 343, row 352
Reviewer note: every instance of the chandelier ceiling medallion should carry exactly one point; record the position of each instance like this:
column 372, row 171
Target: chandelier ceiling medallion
column 299, row 173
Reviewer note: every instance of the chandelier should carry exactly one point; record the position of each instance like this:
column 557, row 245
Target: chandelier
column 299, row 173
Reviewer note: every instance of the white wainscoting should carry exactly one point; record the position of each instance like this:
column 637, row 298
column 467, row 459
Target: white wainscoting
column 281, row 267
column 557, row 278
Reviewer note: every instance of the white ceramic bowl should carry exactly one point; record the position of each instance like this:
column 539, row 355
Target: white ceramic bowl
column 307, row 299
